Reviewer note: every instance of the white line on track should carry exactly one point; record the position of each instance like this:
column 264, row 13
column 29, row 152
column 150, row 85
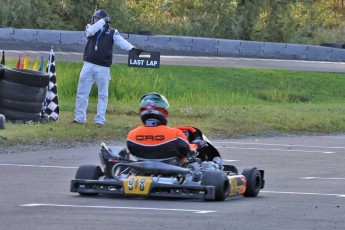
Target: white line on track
column 39, row 166
column 112, row 207
column 43, row 52
column 284, row 145
column 229, row 160
column 305, row 193
column 249, row 59
column 322, row 178
column 63, row 167
column 277, row 150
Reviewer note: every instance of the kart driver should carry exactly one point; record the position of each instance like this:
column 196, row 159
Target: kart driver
column 155, row 140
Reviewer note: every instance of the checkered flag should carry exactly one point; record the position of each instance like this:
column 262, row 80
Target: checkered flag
column 51, row 104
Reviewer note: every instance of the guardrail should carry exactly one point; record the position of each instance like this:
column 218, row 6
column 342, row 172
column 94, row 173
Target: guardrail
column 32, row 39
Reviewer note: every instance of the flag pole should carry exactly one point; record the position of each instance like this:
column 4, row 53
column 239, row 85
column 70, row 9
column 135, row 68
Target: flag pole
column 3, row 58
column 50, row 57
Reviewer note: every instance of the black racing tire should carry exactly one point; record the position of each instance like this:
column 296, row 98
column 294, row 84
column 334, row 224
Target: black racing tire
column 26, row 77
column 2, row 121
column 220, row 181
column 24, row 93
column 13, row 115
column 30, row 107
column 89, row 172
column 254, row 180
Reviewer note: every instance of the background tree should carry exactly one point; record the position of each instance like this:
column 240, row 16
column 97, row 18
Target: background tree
column 248, row 13
column 292, row 21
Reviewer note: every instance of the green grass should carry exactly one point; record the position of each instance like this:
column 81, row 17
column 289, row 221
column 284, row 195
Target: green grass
column 224, row 102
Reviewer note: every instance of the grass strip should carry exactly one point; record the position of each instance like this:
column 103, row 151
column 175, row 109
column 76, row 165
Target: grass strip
column 223, row 102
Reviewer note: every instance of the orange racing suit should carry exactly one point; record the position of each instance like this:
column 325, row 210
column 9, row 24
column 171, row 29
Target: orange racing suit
column 157, row 142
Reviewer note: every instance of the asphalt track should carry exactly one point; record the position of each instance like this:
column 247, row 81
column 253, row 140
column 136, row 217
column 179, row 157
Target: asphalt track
column 305, row 189
column 305, row 179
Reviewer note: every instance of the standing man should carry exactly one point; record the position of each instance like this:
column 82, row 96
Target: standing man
column 98, row 55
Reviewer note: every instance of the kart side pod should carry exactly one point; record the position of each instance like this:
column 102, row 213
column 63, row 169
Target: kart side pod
column 237, row 185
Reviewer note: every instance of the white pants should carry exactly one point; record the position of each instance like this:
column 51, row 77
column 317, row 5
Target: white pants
column 89, row 74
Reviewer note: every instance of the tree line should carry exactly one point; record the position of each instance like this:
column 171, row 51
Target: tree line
column 291, row 21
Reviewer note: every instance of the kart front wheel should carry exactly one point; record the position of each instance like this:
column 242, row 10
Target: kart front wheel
column 254, row 180
column 220, row 181
column 88, row 172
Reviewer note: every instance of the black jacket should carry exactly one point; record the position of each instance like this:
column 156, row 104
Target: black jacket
column 99, row 48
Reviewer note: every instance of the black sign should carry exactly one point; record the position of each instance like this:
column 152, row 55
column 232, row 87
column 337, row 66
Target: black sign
column 146, row 59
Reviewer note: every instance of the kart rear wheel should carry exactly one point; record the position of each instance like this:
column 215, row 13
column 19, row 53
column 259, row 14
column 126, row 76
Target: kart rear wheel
column 220, row 181
column 254, row 180
column 88, row 172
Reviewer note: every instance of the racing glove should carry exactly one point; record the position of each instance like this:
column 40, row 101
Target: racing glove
column 137, row 51
column 184, row 161
column 200, row 143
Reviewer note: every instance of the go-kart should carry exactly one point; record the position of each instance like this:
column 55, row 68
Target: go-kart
column 202, row 176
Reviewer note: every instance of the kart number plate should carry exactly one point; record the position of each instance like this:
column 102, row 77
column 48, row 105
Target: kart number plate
column 137, row 185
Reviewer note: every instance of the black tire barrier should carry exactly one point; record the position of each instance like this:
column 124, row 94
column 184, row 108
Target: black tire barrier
column 26, row 77
column 30, row 107
column 18, row 92
column 13, row 115
column 22, row 94
column 2, row 121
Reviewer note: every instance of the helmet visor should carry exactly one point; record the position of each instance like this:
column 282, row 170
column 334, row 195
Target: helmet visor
column 154, row 100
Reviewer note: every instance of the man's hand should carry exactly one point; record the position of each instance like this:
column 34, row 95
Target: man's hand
column 106, row 20
column 137, row 51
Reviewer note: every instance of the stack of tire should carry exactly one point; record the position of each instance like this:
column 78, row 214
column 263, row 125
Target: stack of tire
column 22, row 93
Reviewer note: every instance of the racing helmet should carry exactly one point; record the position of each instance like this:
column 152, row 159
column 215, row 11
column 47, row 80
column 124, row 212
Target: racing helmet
column 154, row 106
column 100, row 14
